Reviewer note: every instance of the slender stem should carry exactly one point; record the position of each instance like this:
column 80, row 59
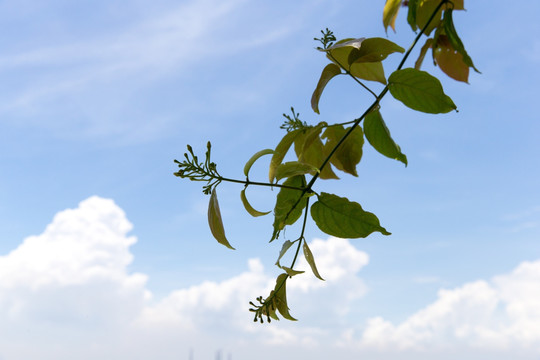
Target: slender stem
column 351, row 75
column 372, row 107
column 302, row 238
column 248, row 182
column 420, row 34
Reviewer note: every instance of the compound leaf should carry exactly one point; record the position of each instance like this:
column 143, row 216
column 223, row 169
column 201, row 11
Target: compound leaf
column 419, row 91
column 330, row 71
column 311, row 260
column 215, row 222
column 379, row 137
column 340, row 217
column 250, row 208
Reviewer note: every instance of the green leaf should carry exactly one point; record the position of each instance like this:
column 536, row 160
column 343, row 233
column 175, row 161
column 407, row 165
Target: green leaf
column 254, row 158
column 311, row 260
column 423, row 13
column 286, row 246
column 293, row 168
column 349, row 154
column 279, row 153
column 340, row 217
column 292, row 272
column 379, row 137
column 340, row 52
column 390, row 12
column 372, row 71
column 375, row 50
column 328, row 73
column 454, row 39
column 411, row 15
column 280, row 295
column 310, row 150
column 345, row 52
column 284, row 213
column 215, row 222
column 424, row 9
column 423, row 51
column 248, row 206
column 419, row 91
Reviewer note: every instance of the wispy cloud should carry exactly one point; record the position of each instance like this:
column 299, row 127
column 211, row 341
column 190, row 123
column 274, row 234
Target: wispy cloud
column 90, row 83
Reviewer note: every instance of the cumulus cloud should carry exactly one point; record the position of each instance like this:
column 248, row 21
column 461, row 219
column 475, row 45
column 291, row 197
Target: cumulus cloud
column 68, row 291
column 500, row 314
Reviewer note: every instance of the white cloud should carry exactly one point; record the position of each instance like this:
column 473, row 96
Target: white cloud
column 68, row 291
column 502, row 314
column 71, row 286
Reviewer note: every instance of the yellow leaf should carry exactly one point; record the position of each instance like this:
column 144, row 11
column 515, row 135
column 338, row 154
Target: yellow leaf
column 390, row 12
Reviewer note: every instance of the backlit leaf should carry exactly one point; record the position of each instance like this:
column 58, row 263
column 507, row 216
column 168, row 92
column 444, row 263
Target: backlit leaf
column 310, row 150
column 450, row 61
column 349, row 154
column 419, row 91
column 292, row 272
column 248, row 206
column 424, row 9
column 379, row 137
column 215, row 222
column 279, row 153
column 328, row 73
column 423, row 13
column 342, row 218
column 284, row 213
column 390, row 12
column 254, row 158
column 454, row 39
column 311, row 260
column 340, row 52
column 411, row 15
column 372, row 71
column 286, row 246
column 376, row 49
column 280, row 294
column 423, row 51
column 293, row 168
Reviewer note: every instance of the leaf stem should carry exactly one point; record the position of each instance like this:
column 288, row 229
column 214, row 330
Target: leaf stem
column 249, row 182
column 351, row 75
column 301, row 238
column 372, row 107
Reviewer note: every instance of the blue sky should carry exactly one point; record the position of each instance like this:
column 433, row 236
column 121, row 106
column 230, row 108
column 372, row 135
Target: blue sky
column 105, row 254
